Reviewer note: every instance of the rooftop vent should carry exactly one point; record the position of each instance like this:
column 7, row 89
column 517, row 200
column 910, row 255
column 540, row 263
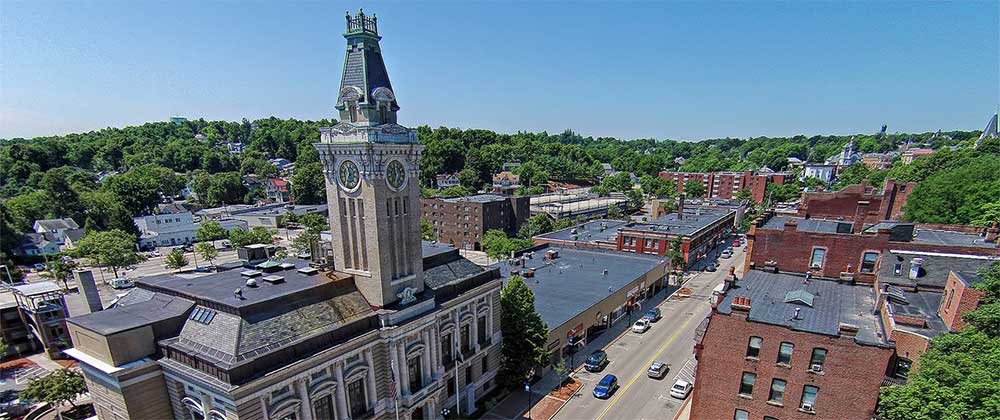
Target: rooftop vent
column 250, row 273
column 800, row 296
column 915, row 268
column 238, row 293
column 796, row 316
column 273, row 279
column 308, row 271
column 285, row 266
column 251, row 282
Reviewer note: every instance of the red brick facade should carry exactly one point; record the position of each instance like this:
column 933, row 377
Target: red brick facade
column 846, row 203
column 658, row 242
column 848, row 385
column 791, row 250
column 726, row 184
column 958, row 299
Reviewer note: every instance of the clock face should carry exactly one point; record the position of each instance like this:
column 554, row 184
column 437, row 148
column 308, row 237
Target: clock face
column 349, row 176
column 395, row 174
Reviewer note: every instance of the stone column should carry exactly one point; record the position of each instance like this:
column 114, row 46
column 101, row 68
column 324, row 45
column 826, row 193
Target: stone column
column 436, row 346
column 305, row 407
column 341, row 392
column 425, row 358
column 474, row 331
column 372, row 390
column 403, row 370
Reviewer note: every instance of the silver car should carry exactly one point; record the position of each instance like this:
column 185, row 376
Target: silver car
column 657, row 370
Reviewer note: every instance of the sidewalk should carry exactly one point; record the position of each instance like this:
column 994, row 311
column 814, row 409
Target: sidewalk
column 44, row 362
column 546, row 406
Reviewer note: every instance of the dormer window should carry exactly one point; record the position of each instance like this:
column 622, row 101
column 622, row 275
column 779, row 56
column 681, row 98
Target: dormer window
column 349, row 97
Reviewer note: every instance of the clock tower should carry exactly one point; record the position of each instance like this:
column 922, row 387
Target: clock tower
column 370, row 165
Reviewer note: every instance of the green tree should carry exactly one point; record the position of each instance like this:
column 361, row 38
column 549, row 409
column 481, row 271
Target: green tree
column 225, row 187
column 957, row 195
column 60, row 269
column 988, row 213
column 615, row 212
column 314, row 222
column 210, row 231
column 24, row 209
column 454, row 191
column 524, row 333
column 694, row 188
column 676, row 254
column 176, row 259
column 240, row 237
column 308, row 184
column 427, row 231
column 305, row 242
column 3, row 348
column 635, row 200
column 113, row 248
column 207, row 252
column 56, row 388
column 536, row 225
column 104, row 212
column 497, row 245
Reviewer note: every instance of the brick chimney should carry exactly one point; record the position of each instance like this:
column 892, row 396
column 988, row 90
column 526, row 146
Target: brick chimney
column 741, row 304
column 993, row 232
column 791, row 225
column 860, row 215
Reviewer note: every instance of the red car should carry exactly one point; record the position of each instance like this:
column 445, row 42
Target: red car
column 736, row 242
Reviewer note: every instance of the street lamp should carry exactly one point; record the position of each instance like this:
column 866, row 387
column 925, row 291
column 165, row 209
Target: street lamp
column 445, row 412
column 527, row 388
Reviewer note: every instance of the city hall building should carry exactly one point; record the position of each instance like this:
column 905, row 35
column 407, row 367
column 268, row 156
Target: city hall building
column 393, row 328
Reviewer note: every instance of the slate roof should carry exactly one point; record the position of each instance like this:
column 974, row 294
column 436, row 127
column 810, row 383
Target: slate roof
column 55, row 224
column 933, row 271
column 228, row 338
column 170, row 208
column 834, row 303
column 575, row 281
column 969, row 278
column 365, row 70
column 143, row 309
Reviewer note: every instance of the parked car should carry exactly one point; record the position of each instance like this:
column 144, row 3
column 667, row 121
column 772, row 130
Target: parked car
column 596, row 361
column 121, row 283
column 711, row 267
column 681, row 389
column 640, row 326
column 652, row 315
column 657, row 370
column 606, row 387
column 726, row 254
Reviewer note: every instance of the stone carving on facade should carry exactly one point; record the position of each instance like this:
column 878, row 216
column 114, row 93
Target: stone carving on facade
column 407, row 295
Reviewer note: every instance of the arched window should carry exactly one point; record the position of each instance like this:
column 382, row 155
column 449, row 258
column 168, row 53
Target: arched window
column 194, row 407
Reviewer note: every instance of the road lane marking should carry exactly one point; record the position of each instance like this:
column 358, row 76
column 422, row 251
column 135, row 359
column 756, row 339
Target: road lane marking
column 625, row 388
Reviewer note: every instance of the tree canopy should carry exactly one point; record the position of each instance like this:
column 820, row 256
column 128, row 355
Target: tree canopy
column 524, row 333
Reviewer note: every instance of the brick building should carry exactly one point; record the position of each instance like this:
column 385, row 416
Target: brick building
column 832, row 248
column 374, row 335
column 700, row 227
column 727, row 184
column 924, row 294
column 462, row 221
column 858, row 201
column 785, row 346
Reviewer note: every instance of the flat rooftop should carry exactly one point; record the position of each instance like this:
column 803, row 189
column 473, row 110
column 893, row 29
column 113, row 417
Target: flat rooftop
column 574, row 281
column 921, row 304
column 219, row 287
column 933, row 269
column 479, row 198
column 279, row 209
column 833, row 304
column 694, row 220
column 944, row 237
column 149, row 308
column 601, row 230
column 810, row 225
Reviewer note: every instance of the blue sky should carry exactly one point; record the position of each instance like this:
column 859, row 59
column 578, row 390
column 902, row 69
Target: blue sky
column 682, row 70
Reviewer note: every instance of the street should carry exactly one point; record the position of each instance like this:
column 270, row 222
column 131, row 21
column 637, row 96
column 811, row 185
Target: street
column 670, row 340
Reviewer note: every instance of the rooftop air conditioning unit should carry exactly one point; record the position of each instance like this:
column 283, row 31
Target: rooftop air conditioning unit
column 807, row 407
column 816, row 367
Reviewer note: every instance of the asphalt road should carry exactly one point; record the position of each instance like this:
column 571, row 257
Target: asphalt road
column 670, row 340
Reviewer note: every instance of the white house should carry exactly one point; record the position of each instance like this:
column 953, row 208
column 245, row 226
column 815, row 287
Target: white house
column 823, row 172
column 172, row 225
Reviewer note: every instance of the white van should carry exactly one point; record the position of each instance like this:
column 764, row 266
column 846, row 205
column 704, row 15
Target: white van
column 121, row 283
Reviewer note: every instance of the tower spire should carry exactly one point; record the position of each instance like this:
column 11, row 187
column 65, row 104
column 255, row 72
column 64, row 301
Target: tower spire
column 366, row 96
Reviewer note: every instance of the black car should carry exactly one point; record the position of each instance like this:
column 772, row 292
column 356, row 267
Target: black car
column 710, row 267
column 596, row 361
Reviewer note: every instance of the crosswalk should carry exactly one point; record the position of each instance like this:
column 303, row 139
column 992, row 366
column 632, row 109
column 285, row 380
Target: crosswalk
column 687, row 372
